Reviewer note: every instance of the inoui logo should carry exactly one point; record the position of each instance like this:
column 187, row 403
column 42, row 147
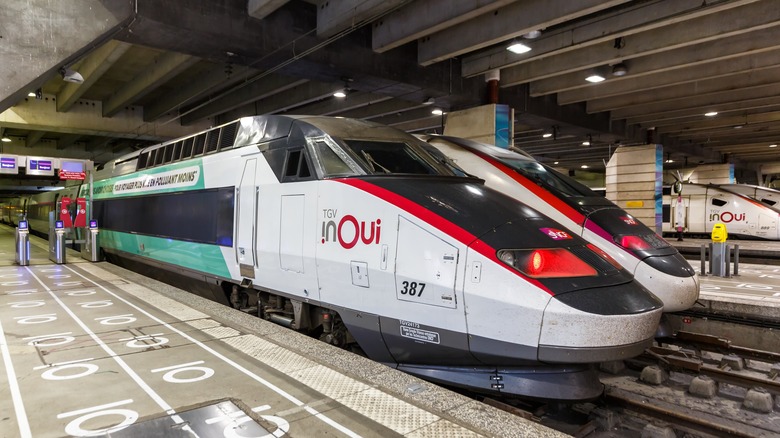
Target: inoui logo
column 727, row 217
column 348, row 231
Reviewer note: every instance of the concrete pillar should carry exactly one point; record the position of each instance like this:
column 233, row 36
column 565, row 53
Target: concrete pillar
column 492, row 124
column 40, row 36
column 714, row 173
column 634, row 182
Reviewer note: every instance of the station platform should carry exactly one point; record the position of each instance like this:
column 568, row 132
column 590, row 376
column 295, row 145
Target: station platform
column 91, row 349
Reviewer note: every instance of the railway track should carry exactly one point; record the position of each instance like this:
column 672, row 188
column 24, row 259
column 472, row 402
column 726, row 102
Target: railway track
column 691, row 385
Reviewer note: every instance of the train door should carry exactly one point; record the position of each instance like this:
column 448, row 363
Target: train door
column 432, row 319
column 245, row 227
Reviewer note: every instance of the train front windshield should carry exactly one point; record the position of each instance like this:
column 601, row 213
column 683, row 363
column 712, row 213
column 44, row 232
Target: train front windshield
column 548, row 178
column 352, row 157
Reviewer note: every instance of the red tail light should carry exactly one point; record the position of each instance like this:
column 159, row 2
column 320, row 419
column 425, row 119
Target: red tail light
column 634, row 243
column 605, row 256
column 547, row 263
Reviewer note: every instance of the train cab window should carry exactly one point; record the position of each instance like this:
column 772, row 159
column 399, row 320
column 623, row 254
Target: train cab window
column 332, row 160
column 297, row 167
column 768, row 202
column 380, row 157
column 718, row 202
column 200, row 144
column 186, row 148
column 212, row 141
column 177, row 150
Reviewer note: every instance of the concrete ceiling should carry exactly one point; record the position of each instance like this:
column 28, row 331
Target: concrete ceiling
column 166, row 69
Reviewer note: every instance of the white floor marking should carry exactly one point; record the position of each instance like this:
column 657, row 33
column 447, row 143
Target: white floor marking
column 130, row 372
column 343, row 429
column 16, row 395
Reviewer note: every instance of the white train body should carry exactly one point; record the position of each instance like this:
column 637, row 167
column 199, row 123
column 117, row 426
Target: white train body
column 704, row 205
column 332, row 224
column 658, row 267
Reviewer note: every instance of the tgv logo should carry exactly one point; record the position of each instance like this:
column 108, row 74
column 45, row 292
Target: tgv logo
column 348, row 231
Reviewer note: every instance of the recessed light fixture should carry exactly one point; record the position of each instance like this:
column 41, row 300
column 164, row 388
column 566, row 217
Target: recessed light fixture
column 6, row 139
column 586, row 143
column 518, row 48
column 340, row 94
column 595, row 78
column 584, row 166
column 31, row 94
column 547, row 135
column 711, row 113
column 555, row 162
column 437, row 112
column 772, row 145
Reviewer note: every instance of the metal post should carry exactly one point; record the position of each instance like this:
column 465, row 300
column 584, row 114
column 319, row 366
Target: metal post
column 710, row 257
column 702, row 257
column 736, row 260
column 727, row 261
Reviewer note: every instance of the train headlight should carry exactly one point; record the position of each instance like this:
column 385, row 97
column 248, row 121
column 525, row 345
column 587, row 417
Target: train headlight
column 546, row 263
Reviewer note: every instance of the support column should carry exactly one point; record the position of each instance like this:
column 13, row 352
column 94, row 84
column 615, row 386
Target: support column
column 490, row 124
column 634, row 182
column 40, row 36
column 714, row 173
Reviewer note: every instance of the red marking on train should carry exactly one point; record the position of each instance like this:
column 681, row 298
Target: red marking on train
column 438, row 222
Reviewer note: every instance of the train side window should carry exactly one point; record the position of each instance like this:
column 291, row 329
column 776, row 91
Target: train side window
column 168, row 153
column 212, row 141
column 227, row 137
column 718, row 202
column 768, row 201
column 186, row 148
column 200, row 143
column 152, row 157
column 158, row 159
column 177, row 150
column 142, row 160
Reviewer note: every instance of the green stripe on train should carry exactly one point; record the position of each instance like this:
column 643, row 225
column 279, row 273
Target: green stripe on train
column 164, row 179
column 196, row 256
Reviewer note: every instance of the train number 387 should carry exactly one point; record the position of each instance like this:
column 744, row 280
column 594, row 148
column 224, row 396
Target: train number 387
column 412, row 288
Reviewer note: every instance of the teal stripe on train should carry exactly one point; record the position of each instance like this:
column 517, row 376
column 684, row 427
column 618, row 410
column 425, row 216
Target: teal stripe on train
column 196, row 256
column 164, row 179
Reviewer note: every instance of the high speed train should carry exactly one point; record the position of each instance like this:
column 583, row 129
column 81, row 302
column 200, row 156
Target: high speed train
column 704, row 205
column 655, row 264
column 765, row 195
column 355, row 232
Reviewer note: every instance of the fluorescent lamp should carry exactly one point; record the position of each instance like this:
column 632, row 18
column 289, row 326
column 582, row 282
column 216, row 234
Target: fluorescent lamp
column 771, row 145
column 595, row 78
column 547, row 135
column 340, row 93
column 6, row 139
column 584, row 166
column 518, row 48
column 711, row 114
column 437, row 112
column 586, row 143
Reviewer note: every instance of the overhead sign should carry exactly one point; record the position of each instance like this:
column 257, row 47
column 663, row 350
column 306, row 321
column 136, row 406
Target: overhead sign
column 9, row 165
column 40, row 166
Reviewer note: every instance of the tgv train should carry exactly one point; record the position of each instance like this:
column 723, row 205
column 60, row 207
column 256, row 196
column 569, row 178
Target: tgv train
column 704, row 205
column 655, row 264
column 356, row 232
column 765, row 195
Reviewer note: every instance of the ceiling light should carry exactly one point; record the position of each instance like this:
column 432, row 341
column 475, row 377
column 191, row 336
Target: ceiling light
column 595, row 78
column 429, row 101
column 669, row 161
column 6, row 139
column 772, row 145
column 340, row 93
column 619, row 69
column 584, row 166
column 588, row 141
column 31, row 94
column 555, row 162
column 437, row 111
column 711, row 113
column 547, row 135
column 533, row 34
column 518, row 48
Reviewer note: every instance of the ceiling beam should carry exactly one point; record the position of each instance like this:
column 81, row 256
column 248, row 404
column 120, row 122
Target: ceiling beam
column 413, row 113
column 381, row 109
column 216, row 78
column 42, row 115
column 67, row 140
column 433, row 123
column 91, row 69
column 338, row 16
column 256, row 88
column 720, row 122
column 301, row 94
column 335, row 105
column 262, row 8
column 693, row 102
column 417, row 19
column 33, row 137
column 701, row 88
column 164, row 68
column 744, row 19
column 714, row 59
column 731, row 108
column 632, row 19
column 504, row 24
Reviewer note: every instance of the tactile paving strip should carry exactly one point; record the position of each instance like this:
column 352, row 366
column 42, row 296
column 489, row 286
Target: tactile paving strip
column 389, row 411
